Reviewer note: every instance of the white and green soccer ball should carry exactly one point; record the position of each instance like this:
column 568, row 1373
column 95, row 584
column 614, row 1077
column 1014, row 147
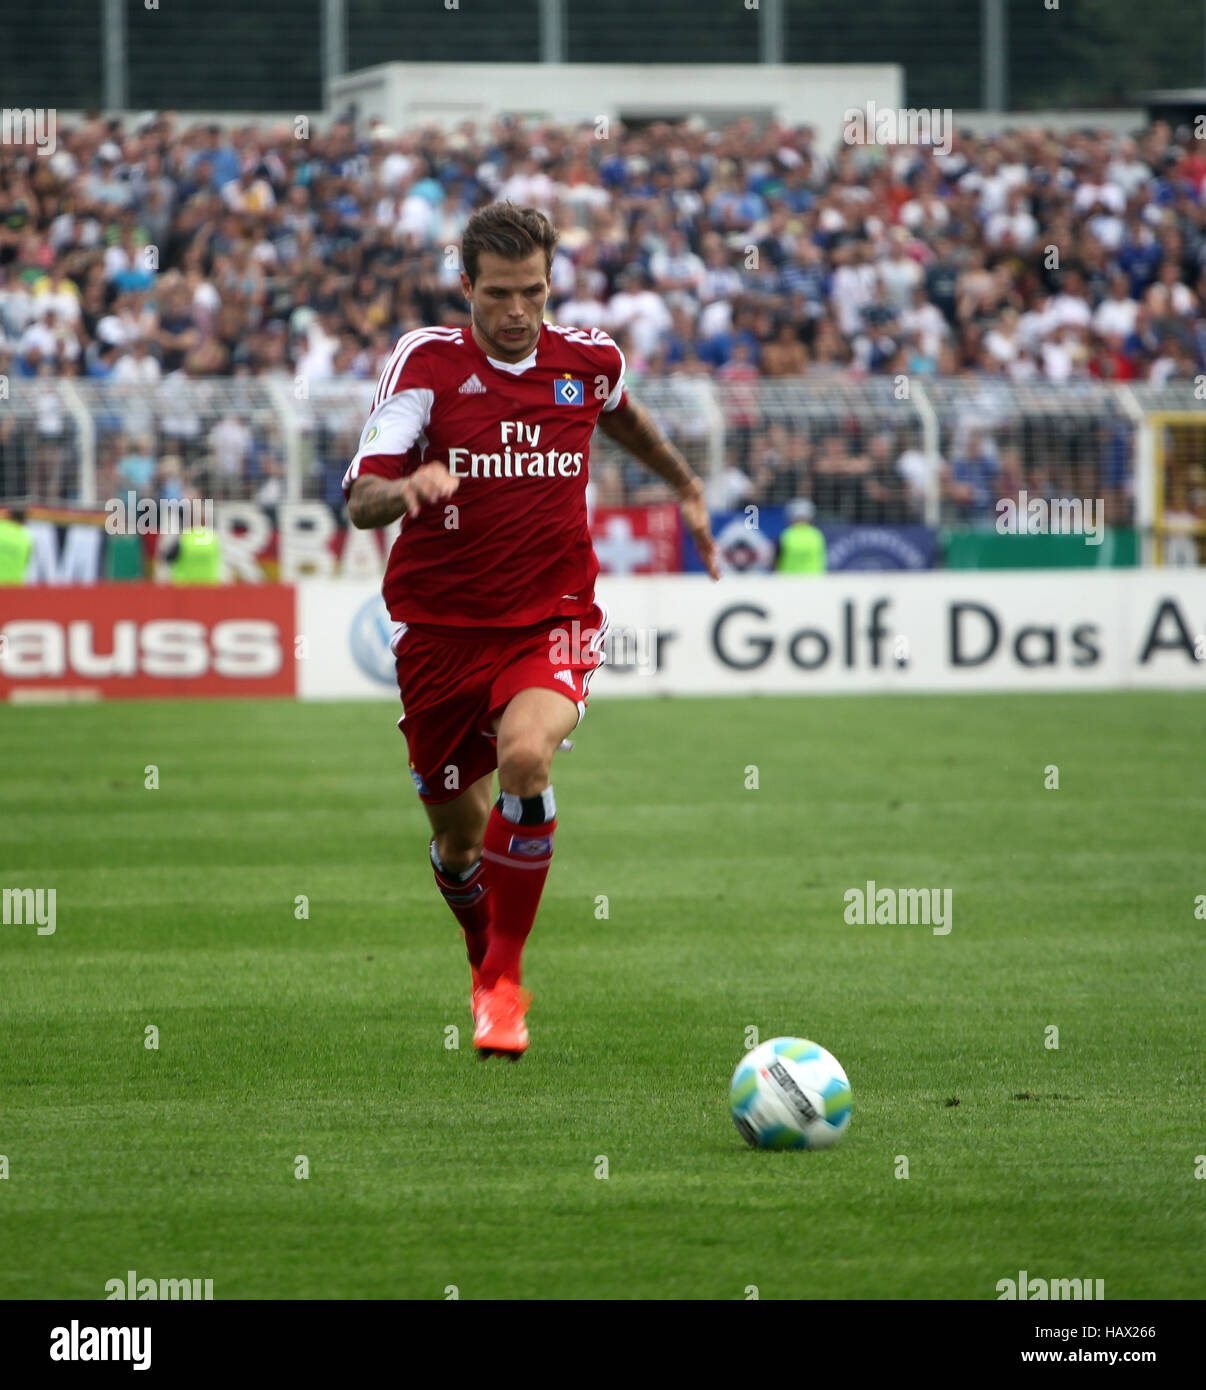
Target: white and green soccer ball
column 790, row 1093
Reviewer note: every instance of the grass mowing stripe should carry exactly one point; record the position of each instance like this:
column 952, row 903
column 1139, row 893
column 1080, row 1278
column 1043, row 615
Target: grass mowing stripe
column 327, row 1035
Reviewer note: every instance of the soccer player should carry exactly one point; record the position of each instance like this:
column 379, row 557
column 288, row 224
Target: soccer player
column 479, row 439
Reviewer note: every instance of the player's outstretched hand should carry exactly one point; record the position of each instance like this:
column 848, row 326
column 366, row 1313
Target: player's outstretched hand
column 429, row 483
column 695, row 517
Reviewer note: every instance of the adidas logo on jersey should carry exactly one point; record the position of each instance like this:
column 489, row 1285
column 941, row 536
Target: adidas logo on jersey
column 566, row 677
column 472, row 387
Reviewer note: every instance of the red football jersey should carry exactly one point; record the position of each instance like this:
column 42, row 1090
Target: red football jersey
column 511, row 546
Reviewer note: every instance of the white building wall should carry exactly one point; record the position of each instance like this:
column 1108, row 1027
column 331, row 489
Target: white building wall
column 404, row 95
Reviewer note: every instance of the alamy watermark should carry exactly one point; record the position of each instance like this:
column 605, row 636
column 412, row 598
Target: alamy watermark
column 27, row 907
column 906, row 907
column 30, row 126
column 627, row 648
column 76, row 1343
column 148, row 516
column 132, row 1287
column 1027, row 1289
column 1059, row 516
column 870, row 124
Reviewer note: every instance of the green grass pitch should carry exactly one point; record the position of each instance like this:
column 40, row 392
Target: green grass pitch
column 428, row 1168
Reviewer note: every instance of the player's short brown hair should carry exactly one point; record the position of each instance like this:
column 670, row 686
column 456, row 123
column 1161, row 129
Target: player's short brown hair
column 508, row 231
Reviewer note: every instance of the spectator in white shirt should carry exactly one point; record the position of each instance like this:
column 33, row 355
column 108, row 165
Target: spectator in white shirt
column 17, row 306
column 994, row 182
column 637, row 309
column 1116, row 315
column 231, row 441
column 727, row 488
column 417, row 221
column 852, row 287
column 1099, row 194
column 397, row 168
column 678, row 273
column 317, row 360
column 924, row 322
column 1126, row 169
column 1064, row 354
column 714, row 320
column 1001, row 340
column 721, row 280
column 51, row 339
column 1069, row 306
column 529, row 187
column 899, row 273
column 136, row 366
column 925, row 214
column 39, row 338
column 1181, row 299
column 584, row 309
column 920, row 472
column 1014, row 227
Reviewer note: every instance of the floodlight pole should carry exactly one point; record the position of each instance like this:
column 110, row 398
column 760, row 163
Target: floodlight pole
column 113, row 50
column 552, row 31
column 334, row 44
column 994, row 63
column 770, row 31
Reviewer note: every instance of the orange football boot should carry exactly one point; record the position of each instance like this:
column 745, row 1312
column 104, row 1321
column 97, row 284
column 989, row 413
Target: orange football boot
column 498, row 1018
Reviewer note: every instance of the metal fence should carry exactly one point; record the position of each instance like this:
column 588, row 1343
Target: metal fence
column 991, row 54
column 883, row 449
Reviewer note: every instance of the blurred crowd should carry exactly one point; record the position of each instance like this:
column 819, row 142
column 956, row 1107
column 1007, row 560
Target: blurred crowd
column 141, row 249
column 150, row 250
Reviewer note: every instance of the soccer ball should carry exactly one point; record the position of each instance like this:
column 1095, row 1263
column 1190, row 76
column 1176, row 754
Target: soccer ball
column 789, row 1093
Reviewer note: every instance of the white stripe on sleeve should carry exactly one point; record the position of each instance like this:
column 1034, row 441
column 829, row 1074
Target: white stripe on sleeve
column 392, row 428
column 614, row 399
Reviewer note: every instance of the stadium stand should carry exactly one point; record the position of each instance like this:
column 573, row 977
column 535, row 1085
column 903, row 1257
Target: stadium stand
column 181, row 277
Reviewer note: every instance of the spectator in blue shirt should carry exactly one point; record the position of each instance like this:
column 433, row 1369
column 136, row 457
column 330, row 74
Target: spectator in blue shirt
column 221, row 160
column 1139, row 256
column 971, row 481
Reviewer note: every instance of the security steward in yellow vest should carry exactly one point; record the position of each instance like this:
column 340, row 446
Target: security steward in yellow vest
column 801, row 545
column 16, row 546
column 195, row 557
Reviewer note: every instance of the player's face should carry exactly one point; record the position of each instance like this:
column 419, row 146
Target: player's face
column 507, row 303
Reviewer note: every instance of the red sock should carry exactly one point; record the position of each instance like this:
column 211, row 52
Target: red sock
column 517, row 861
column 469, row 899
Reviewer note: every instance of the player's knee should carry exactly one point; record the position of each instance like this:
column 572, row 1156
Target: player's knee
column 523, row 766
column 458, row 852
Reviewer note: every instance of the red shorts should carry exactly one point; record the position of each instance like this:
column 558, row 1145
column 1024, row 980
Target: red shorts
column 454, row 681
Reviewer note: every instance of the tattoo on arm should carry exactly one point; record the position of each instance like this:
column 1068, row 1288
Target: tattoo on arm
column 375, row 501
column 634, row 428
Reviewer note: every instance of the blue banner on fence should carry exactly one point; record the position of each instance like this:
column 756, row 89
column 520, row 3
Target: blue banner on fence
column 751, row 548
column 880, row 547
